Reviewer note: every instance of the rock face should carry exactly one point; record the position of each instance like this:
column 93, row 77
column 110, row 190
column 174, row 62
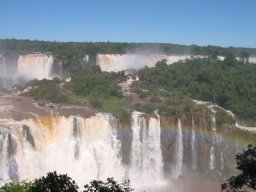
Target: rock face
column 198, row 144
column 150, row 150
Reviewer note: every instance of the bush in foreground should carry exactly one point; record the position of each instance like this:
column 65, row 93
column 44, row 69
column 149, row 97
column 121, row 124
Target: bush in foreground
column 246, row 179
column 20, row 187
column 54, row 182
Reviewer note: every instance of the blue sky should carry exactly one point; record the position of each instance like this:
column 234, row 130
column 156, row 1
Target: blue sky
column 201, row 22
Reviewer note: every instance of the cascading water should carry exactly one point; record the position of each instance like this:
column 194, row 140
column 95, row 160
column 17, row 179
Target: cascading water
column 179, row 152
column 221, row 161
column 73, row 145
column 212, row 158
column 106, row 148
column 80, row 146
column 77, row 137
column 8, row 148
column 3, row 68
column 214, row 141
column 35, row 66
column 193, row 147
column 117, row 62
column 93, row 148
column 147, row 162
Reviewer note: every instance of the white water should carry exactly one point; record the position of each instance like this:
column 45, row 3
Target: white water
column 87, row 147
column 4, row 156
column 35, row 66
column 212, row 158
column 221, row 161
column 214, row 141
column 73, row 145
column 3, row 68
column 179, row 152
column 252, row 59
column 118, row 62
column 193, row 147
column 147, row 162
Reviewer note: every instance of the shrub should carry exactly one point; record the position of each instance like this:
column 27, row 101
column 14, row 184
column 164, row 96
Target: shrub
column 54, row 183
column 19, row 187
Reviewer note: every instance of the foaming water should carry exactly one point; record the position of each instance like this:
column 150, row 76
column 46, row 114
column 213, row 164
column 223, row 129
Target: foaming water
column 35, row 66
column 84, row 148
column 117, row 62
column 147, row 162
column 193, row 145
column 214, row 141
column 94, row 148
column 179, row 151
column 3, row 67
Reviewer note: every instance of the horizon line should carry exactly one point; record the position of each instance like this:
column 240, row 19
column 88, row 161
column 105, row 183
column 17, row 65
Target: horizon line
column 129, row 42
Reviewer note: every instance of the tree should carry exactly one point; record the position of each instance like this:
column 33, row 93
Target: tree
column 162, row 63
column 109, row 186
column 244, row 56
column 19, row 187
column 54, row 183
column 246, row 164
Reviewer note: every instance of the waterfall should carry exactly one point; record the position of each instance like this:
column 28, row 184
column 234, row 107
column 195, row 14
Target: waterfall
column 35, row 66
column 3, row 68
column 147, row 162
column 193, row 147
column 214, row 126
column 27, row 135
column 8, row 165
column 179, row 151
column 155, row 159
column 212, row 158
column 77, row 137
column 88, row 148
column 118, row 62
column 214, row 141
column 3, row 156
column 4, row 75
column 106, row 148
column 77, row 146
column 221, row 161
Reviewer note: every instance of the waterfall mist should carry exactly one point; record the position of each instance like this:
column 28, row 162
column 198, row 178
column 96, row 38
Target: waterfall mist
column 95, row 148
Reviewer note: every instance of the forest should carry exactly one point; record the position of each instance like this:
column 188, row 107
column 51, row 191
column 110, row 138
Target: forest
column 229, row 83
column 72, row 52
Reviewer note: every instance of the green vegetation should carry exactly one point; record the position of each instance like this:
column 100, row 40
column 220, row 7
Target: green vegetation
column 89, row 86
column 54, row 182
column 246, row 179
column 167, row 102
column 240, row 136
column 19, row 187
column 71, row 53
column 116, row 107
column 109, row 186
column 223, row 118
column 94, row 83
column 100, row 89
column 177, row 103
column 47, row 90
column 146, row 107
column 229, row 83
